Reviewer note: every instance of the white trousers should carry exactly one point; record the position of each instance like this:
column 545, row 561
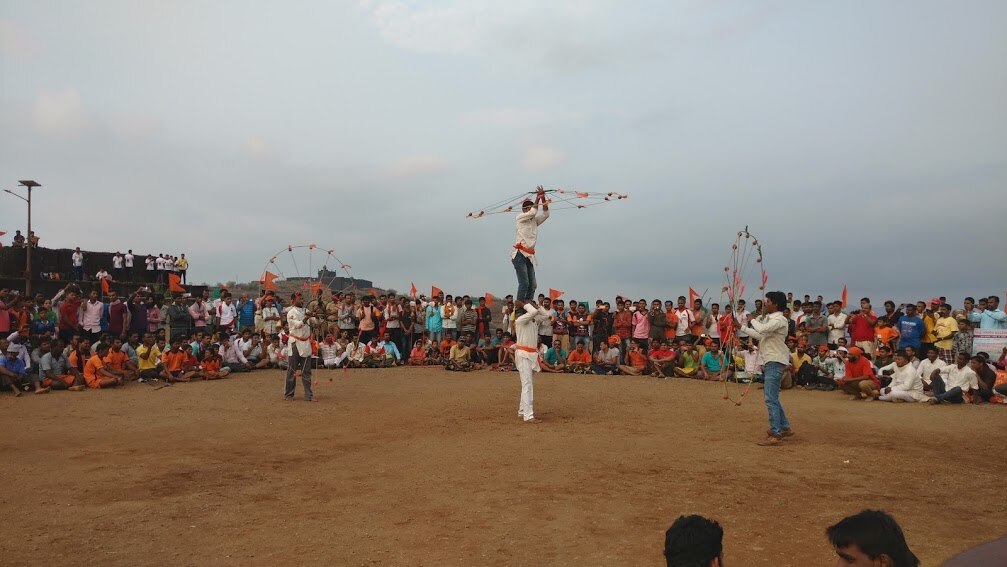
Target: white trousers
column 333, row 362
column 898, row 395
column 524, row 370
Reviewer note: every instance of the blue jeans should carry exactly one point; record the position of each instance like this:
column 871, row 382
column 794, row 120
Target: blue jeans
column 777, row 418
column 525, row 277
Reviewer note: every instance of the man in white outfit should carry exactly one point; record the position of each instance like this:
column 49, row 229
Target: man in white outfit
column 526, row 355
column 299, row 323
column 523, row 254
column 906, row 385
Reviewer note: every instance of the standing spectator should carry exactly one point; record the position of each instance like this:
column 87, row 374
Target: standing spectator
column 77, row 261
column 117, row 315
column 484, row 316
column 837, row 321
column 137, row 307
column 601, row 325
column 154, row 316
column 169, row 266
column 128, row 263
column 641, row 327
column 449, row 319
column 227, row 316
column 944, row 333
column 622, row 323
column 151, row 265
column 199, row 313
column 90, row 317
column 159, row 264
column 182, row 266
column 657, row 320
column 179, row 320
column 246, row 313
column 992, row 317
column 815, row 325
column 580, row 324
column 117, row 263
column 861, row 325
column 911, row 329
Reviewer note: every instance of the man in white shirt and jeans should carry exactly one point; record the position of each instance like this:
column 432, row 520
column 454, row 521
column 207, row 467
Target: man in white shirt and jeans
column 523, row 254
column 771, row 331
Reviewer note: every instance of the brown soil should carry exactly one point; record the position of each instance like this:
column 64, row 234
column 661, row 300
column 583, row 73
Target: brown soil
column 425, row 467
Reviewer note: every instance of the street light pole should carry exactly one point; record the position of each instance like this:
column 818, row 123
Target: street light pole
column 28, row 184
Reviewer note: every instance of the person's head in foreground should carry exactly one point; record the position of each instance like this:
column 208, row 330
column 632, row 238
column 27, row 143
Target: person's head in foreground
column 694, row 541
column 870, row 539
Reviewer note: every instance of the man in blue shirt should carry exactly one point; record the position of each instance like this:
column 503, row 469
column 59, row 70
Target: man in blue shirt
column 992, row 317
column 911, row 329
column 390, row 349
column 13, row 372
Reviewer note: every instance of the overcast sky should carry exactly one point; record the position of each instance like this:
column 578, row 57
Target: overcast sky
column 865, row 143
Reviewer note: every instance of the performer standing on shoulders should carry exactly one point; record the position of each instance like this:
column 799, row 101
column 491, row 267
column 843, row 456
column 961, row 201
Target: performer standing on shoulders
column 771, row 331
column 299, row 323
column 523, row 255
column 526, row 355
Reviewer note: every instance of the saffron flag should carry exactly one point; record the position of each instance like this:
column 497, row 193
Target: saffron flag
column 693, row 296
column 412, row 289
column 174, row 283
column 267, row 281
column 489, row 299
column 843, row 297
column 555, row 294
column 435, row 291
column 317, row 287
column 104, row 286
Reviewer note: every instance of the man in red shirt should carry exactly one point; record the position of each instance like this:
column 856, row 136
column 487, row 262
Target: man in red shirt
column 859, row 380
column 662, row 361
column 579, row 360
column 861, row 326
column 69, row 316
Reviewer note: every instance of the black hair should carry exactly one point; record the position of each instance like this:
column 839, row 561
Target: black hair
column 693, row 541
column 889, row 302
column 778, row 298
column 875, row 533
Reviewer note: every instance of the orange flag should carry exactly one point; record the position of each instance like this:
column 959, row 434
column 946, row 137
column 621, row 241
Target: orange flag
column 174, row 283
column 316, row 287
column 844, row 296
column 693, row 296
column 435, row 291
column 555, row 294
column 267, row 281
column 489, row 299
column 412, row 289
column 104, row 286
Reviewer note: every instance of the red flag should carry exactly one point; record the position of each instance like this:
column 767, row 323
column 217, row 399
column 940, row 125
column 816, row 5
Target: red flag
column 412, row 289
column 174, row 283
column 693, row 296
column 489, row 299
column 267, row 281
column 435, row 291
column 104, row 286
column 555, row 294
column 844, row 297
column 317, row 287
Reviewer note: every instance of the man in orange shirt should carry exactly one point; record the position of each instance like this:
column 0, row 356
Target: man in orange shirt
column 859, row 379
column 636, row 362
column 175, row 362
column 116, row 362
column 95, row 373
column 211, row 367
column 579, row 360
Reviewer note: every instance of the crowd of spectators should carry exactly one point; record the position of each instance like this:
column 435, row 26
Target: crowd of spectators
column 910, row 352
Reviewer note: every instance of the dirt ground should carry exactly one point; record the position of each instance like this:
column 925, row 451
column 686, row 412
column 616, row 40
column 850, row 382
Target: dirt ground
column 426, row 467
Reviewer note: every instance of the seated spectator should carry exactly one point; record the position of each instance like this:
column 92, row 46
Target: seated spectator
column 505, row 354
column 694, row 541
column 486, row 350
column 579, row 359
column 355, row 352
column 686, row 364
column 554, row 359
column 986, row 377
column 176, row 362
column 713, row 364
column 374, row 354
column 232, row 358
column 955, row 382
column 753, row 362
column 391, row 349
column 332, row 353
column 906, row 384
column 606, row 359
column 859, row 379
column 14, row 372
column 871, row 538
column 460, row 356
column 275, row 353
column 56, row 371
column 929, row 366
column 636, row 361
column 211, row 367
column 117, row 362
column 95, row 373
column 418, row 356
column 662, row 360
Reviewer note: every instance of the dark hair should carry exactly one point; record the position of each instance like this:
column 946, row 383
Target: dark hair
column 778, row 298
column 875, row 533
column 693, row 541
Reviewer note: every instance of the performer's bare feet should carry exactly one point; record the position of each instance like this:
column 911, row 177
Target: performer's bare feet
column 533, row 420
column 77, row 388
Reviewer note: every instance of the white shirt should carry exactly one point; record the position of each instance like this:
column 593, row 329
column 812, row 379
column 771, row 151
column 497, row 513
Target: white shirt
column 526, row 229
column 684, row 322
column 150, row 263
column 526, row 329
column 545, row 327
column 926, row 368
column 169, row 265
column 129, row 260
column 159, row 262
column 753, row 361
column 771, row 330
column 78, row 259
column 270, row 325
column 742, row 318
column 837, row 327
column 117, row 261
column 226, row 313
column 452, row 321
column 300, row 331
column 906, row 379
column 964, row 378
